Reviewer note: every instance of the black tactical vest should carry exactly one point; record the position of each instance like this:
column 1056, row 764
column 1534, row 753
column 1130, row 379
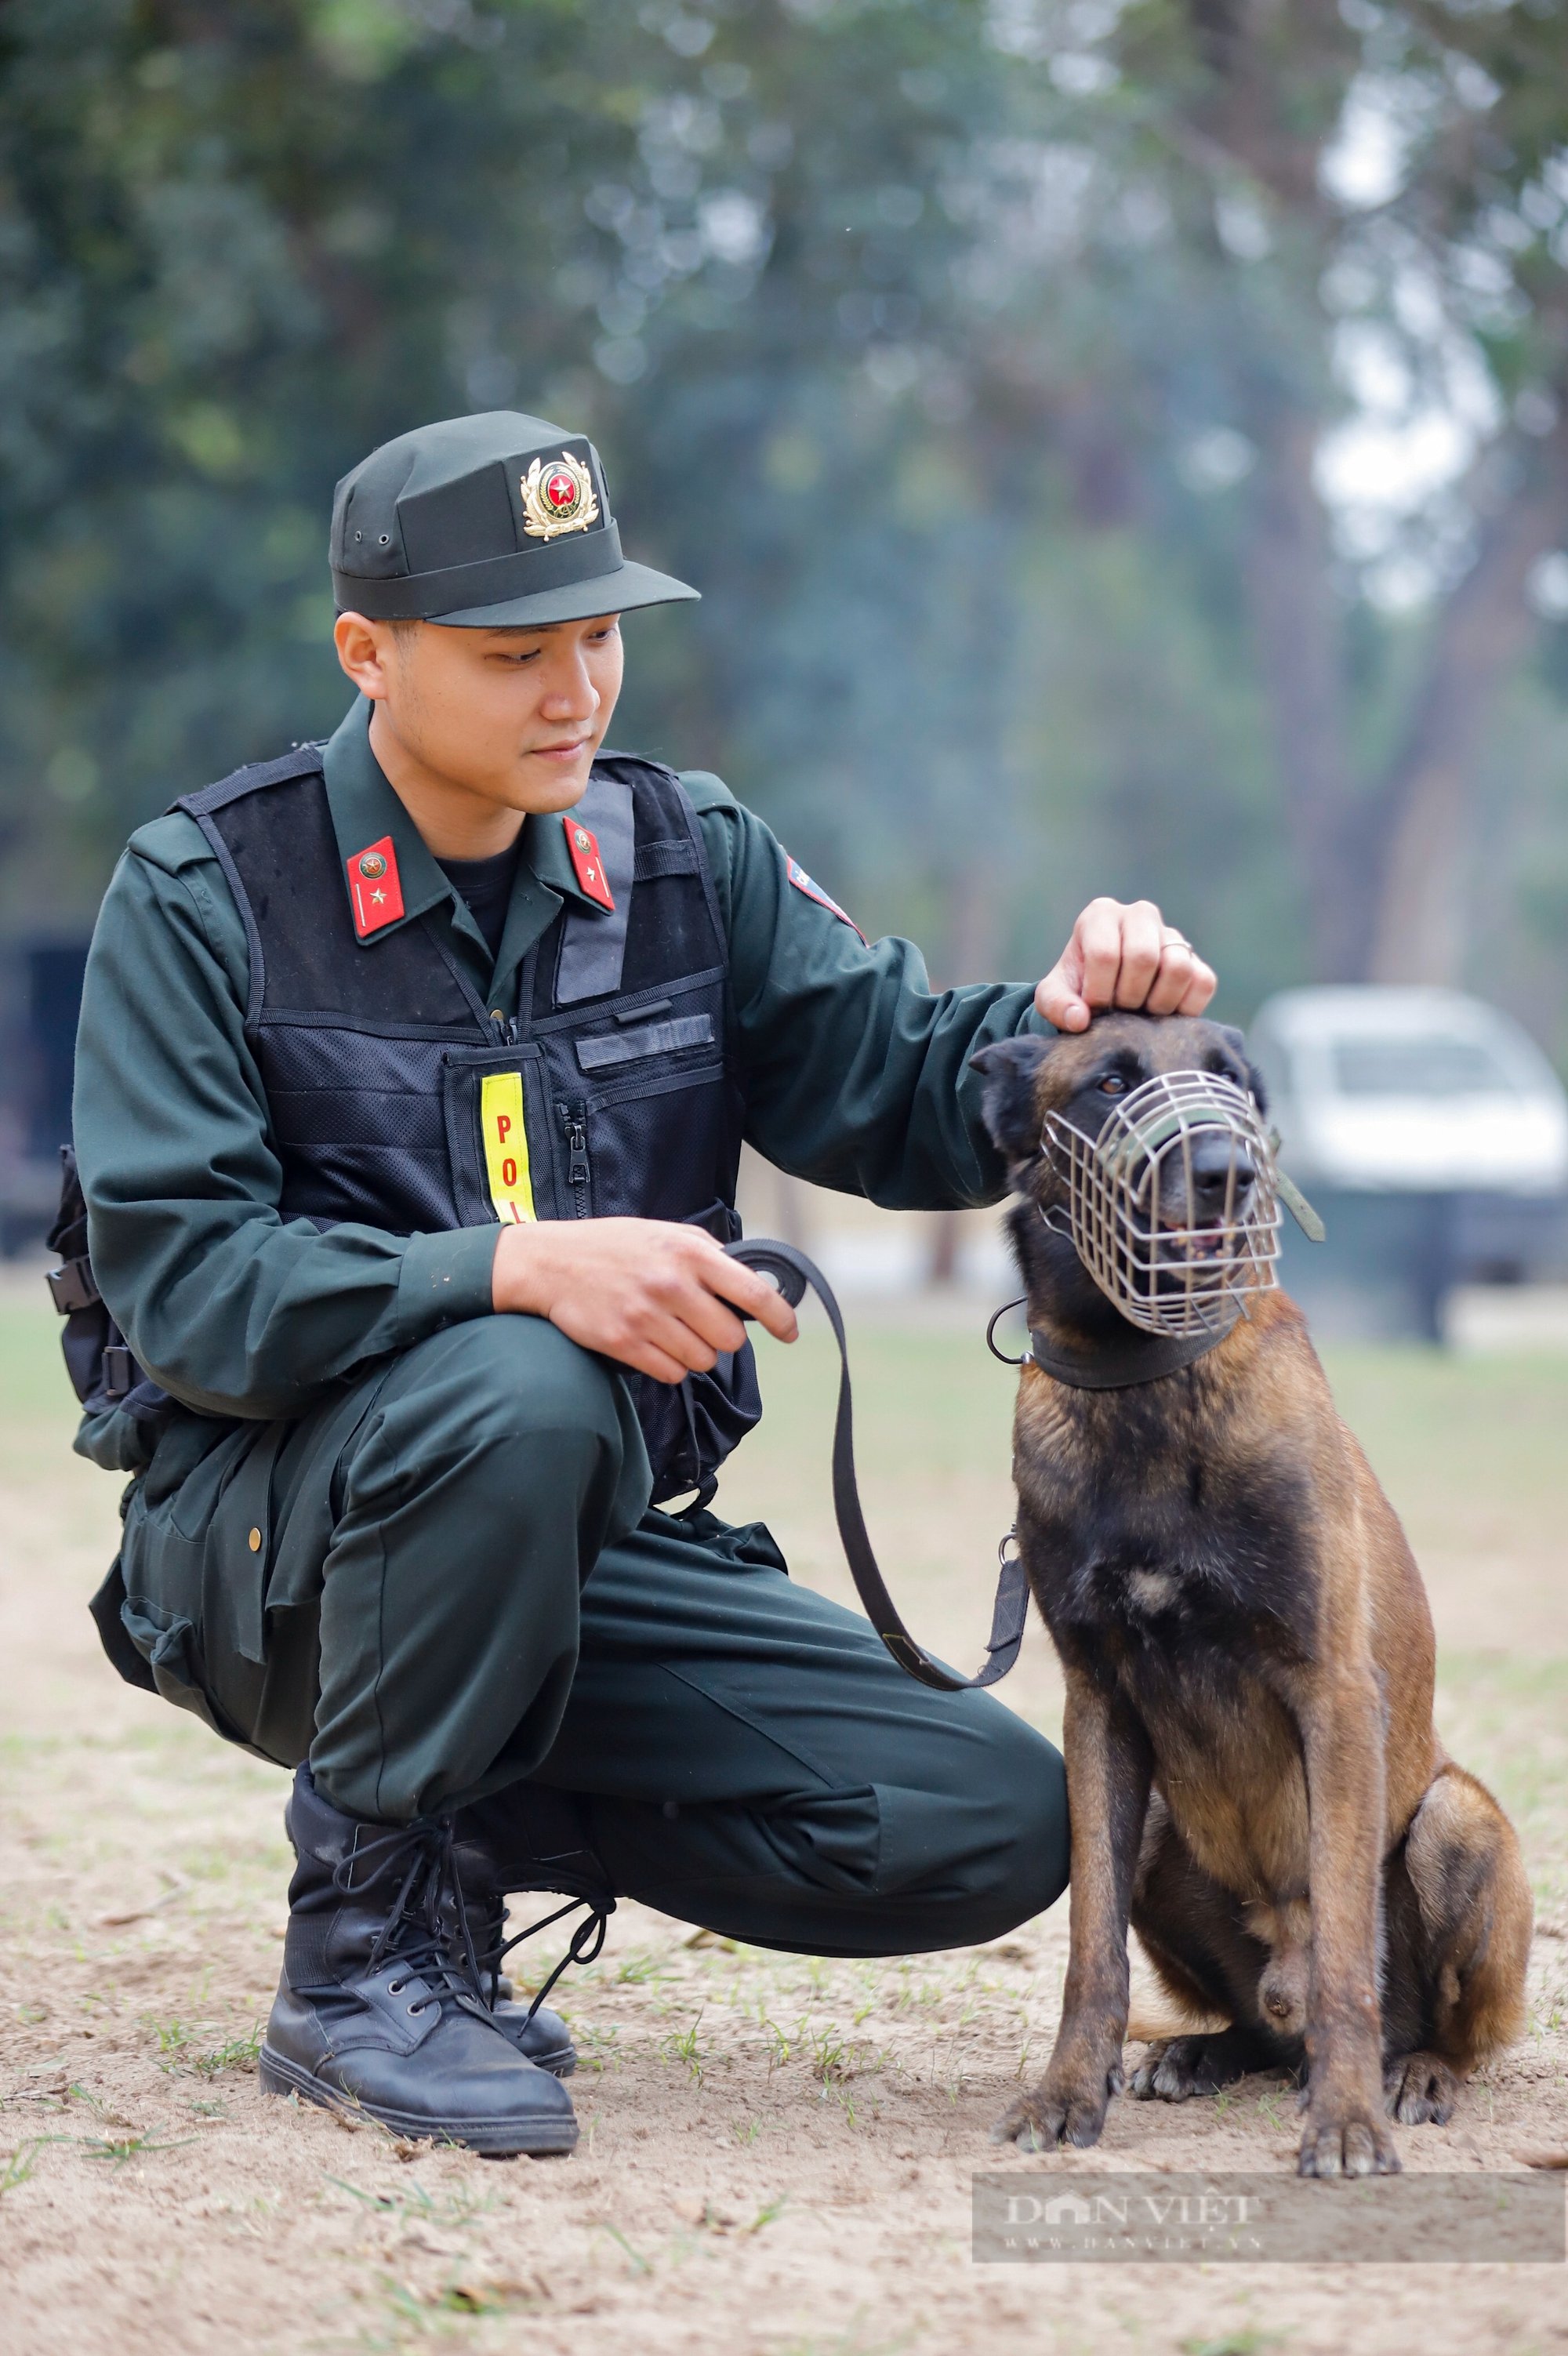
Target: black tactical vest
column 394, row 1090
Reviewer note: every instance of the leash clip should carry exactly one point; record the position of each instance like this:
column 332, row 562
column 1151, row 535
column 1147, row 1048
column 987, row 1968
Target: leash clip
column 1028, row 1357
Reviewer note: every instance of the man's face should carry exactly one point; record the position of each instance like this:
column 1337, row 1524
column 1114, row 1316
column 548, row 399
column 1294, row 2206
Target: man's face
column 512, row 718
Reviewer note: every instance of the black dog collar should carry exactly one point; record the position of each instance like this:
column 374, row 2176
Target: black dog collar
column 1120, row 1365
column 1117, row 1365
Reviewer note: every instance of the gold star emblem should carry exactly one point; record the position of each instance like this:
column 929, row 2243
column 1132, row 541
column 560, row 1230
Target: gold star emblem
column 562, row 499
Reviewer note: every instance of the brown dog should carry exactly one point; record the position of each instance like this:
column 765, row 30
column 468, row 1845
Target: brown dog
column 1253, row 1776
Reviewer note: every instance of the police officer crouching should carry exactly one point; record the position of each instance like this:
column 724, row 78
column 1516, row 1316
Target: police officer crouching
column 413, row 1074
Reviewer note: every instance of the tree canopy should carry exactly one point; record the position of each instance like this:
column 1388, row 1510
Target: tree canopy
column 1120, row 446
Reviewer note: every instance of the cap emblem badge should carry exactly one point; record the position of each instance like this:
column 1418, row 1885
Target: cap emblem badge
column 558, row 497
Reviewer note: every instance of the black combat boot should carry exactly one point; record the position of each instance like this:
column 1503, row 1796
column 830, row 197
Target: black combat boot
column 379, row 2008
column 528, row 1839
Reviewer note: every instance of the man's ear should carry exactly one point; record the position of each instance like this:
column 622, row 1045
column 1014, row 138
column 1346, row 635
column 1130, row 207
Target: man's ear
column 1007, row 1106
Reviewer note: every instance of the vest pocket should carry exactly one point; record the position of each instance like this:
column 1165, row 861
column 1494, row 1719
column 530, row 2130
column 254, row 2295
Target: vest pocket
column 605, row 1050
column 498, row 1134
column 659, row 1142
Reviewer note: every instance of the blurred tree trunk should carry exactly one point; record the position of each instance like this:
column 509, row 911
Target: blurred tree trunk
column 1427, row 807
column 1382, row 860
column 981, row 797
column 1384, row 870
column 1298, row 627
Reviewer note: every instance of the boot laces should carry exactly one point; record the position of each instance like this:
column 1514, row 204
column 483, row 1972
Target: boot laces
column 417, row 1928
column 585, row 1946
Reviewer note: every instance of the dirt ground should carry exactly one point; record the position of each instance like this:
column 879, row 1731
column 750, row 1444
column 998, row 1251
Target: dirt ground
column 777, row 2153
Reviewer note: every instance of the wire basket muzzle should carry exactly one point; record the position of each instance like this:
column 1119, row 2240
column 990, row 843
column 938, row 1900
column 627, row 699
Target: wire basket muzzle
column 1173, row 1207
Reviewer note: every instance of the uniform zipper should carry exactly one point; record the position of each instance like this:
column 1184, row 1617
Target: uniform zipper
column 574, row 1121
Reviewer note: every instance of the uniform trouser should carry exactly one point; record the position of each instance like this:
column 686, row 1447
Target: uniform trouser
column 444, row 1580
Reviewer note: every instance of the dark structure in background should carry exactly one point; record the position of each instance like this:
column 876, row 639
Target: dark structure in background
column 1393, row 1258
column 35, row 1119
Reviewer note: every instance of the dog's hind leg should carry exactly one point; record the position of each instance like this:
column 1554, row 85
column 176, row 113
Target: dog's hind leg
column 1458, row 1942
column 1182, row 2066
column 1195, row 1934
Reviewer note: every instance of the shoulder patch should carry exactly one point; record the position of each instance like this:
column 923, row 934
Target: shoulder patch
column 814, row 891
column 171, row 842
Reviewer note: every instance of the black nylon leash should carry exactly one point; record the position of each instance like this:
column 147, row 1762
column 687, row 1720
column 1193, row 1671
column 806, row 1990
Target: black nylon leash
column 793, row 1272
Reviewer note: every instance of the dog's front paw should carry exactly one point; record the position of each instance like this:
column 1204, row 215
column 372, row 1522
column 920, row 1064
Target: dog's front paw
column 1421, row 2087
column 1346, row 2136
column 1069, row 2105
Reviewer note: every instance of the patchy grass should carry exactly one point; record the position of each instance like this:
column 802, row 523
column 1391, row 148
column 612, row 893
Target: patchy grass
column 118, row 2150
column 17, row 2167
column 777, row 2150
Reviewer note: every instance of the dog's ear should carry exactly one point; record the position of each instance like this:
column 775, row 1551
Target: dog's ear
column 1007, row 1106
column 1256, row 1084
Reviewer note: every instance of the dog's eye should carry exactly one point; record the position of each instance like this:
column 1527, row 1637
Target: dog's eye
column 1112, row 1085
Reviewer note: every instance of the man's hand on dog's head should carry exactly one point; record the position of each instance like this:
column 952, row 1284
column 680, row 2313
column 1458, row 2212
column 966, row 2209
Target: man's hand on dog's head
column 1123, row 955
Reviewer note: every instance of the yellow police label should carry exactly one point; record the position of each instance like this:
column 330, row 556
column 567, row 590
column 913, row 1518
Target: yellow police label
column 506, row 1147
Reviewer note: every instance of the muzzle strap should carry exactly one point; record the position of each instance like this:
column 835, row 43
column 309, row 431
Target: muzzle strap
column 793, row 1272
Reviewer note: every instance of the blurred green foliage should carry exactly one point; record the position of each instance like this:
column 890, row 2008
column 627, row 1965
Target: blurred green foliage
column 966, row 353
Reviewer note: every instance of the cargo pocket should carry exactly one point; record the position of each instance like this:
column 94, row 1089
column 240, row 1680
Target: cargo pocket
column 171, row 1648
column 195, row 1607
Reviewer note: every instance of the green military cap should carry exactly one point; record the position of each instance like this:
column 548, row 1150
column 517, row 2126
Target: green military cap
column 484, row 523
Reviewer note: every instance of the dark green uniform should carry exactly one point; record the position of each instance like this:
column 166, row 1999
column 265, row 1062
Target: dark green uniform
column 410, row 1538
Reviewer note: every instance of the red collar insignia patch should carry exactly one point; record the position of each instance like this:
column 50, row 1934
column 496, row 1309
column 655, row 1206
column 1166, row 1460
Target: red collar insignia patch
column 582, row 846
column 814, row 891
column 374, row 888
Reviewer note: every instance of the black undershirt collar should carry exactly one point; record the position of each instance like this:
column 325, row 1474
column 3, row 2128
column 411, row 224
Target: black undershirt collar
column 485, row 887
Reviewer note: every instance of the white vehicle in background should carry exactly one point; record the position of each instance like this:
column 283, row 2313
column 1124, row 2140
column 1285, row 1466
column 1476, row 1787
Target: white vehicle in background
column 1431, row 1134
column 1422, row 1088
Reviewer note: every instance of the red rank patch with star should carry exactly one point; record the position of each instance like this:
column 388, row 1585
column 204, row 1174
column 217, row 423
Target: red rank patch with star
column 582, row 846
column 814, row 891
column 374, row 888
